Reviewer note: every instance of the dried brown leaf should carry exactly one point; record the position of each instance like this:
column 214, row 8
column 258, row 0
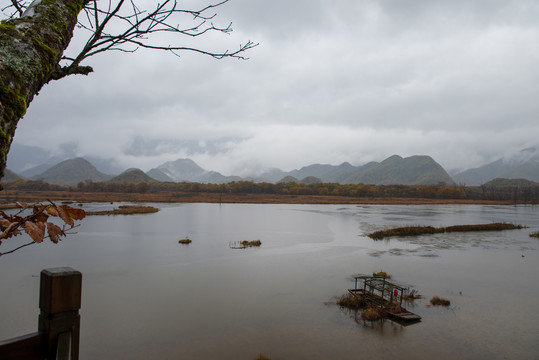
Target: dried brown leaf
column 4, row 223
column 42, row 217
column 74, row 213
column 51, row 210
column 54, row 232
column 35, row 230
column 8, row 228
column 21, row 205
column 64, row 215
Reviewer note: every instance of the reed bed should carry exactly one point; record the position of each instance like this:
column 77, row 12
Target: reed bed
column 411, row 296
column 245, row 244
column 382, row 274
column 422, row 230
column 126, row 210
column 372, row 314
column 185, row 241
column 352, row 302
column 437, row 301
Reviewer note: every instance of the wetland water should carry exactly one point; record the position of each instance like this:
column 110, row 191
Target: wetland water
column 147, row 297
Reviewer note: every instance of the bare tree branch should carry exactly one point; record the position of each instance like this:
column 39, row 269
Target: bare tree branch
column 17, row 6
column 120, row 25
column 17, row 248
column 115, row 27
column 36, row 46
column 67, row 232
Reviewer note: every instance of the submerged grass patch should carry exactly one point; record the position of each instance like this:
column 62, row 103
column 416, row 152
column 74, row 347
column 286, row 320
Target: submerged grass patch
column 411, row 296
column 382, row 274
column 126, row 210
column 245, row 244
column 438, row 301
column 422, row 230
column 350, row 301
column 185, row 241
column 356, row 303
column 372, row 314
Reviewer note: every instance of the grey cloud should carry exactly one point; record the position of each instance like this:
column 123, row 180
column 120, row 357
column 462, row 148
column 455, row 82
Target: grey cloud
column 331, row 81
column 141, row 146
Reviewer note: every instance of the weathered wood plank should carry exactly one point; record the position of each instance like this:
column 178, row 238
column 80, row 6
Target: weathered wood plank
column 30, row 346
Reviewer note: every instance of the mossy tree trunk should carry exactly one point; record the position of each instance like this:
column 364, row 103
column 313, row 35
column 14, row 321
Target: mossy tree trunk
column 31, row 48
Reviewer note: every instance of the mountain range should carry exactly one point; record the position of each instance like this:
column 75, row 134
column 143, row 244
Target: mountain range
column 393, row 170
column 418, row 169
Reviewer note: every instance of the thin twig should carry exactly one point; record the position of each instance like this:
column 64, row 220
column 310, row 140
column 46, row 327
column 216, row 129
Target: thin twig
column 20, row 247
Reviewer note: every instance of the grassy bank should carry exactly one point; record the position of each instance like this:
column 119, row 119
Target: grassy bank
column 9, row 196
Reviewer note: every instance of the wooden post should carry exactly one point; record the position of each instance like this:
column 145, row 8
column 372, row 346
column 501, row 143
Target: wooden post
column 59, row 304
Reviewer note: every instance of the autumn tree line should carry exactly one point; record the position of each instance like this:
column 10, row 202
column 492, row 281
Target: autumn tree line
column 517, row 193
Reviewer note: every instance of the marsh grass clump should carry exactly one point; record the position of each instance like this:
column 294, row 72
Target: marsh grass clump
column 403, row 231
column 395, row 308
column 535, row 234
column 437, row 301
column 185, row 241
column 372, row 314
column 411, row 296
column 483, row 227
column 382, row 274
column 350, row 301
column 126, row 210
column 245, row 244
column 422, row 230
column 251, row 243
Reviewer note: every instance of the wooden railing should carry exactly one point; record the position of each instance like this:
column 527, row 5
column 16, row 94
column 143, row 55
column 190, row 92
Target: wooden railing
column 59, row 320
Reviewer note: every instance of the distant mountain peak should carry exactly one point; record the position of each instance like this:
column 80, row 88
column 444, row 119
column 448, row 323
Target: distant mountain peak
column 395, row 170
column 188, row 170
column 132, row 175
column 72, row 171
column 524, row 164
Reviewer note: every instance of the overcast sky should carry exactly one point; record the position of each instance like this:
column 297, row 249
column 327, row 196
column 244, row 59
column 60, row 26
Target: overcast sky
column 331, row 81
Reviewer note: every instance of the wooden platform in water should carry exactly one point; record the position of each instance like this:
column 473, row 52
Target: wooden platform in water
column 405, row 315
column 378, row 292
column 375, row 300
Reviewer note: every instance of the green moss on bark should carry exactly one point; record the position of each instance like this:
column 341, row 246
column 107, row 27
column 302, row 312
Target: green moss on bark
column 30, row 51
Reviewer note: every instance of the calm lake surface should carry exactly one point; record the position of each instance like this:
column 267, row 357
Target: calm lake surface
column 147, row 297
